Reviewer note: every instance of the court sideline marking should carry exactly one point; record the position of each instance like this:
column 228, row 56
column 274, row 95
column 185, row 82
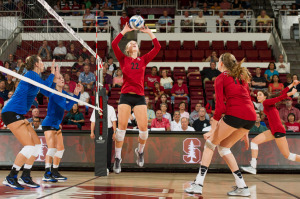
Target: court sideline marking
column 69, row 187
column 278, row 188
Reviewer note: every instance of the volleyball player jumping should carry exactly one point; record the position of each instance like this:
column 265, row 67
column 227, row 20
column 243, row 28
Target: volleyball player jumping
column 13, row 117
column 277, row 129
column 240, row 116
column 132, row 93
column 51, row 127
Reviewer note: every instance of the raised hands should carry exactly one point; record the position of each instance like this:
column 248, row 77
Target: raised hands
column 145, row 29
column 78, row 89
column 126, row 29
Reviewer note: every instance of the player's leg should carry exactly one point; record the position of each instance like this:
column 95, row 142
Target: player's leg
column 266, row 136
column 284, row 148
column 26, row 179
column 58, row 155
column 124, row 111
column 140, row 113
column 51, row 143
column 20, row 131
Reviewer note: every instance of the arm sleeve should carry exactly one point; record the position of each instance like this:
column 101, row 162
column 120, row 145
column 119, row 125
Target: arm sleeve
column 120, row 56
column 150, row 55
column 220, row 106
column 273, row 101
column 48, row 93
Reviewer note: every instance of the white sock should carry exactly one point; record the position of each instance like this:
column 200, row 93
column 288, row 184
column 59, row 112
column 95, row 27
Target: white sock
column 47, row 165
column 201, row 175
column 253, row 162
column 16, row 167
column 239, row 180
column 55, row 166
column 27, row 166
column 118, row 152
column 141, row 148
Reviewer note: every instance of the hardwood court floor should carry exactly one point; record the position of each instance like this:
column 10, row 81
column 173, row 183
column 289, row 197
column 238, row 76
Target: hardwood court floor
column 154, row 185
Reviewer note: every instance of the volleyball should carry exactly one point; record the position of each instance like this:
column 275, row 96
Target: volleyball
column 136, row 22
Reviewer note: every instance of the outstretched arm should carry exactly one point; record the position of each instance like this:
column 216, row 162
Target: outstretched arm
column 116, row 41
column 150, row 55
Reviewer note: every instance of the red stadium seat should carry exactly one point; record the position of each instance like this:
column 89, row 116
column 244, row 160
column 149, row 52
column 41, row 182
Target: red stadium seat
column 265, row 54
column 252, row 55
column 86, row 128
column 192, row 69
column 170, row 55
column 184, row 55
column 196, row 93
column 102, row 45
column 189, row 45
column 203, row 45
column 102, row 54
column 52, row 44
column 163, row 45
column 282, row 77
column 217, row 45
column 220, row 52
column 197, row 55
column 69, row 127
column 143, row 52
column 91, row 44
column 146, row 45
column 37, row 44
column 174, row 45
column 239, row 54
column 179, row 70
column 159, row 57
column 165, row 68
column 27, row 44
column 232, row 45
column 261, row 45
column 208, row 53
column 194, row 77
column 247, row 45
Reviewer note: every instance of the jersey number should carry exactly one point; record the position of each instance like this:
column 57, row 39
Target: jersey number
column 136, row 65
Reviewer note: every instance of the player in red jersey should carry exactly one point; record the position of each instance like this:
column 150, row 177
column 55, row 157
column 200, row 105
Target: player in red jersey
column 277, row 129
column 132, row 93
column 240, row 116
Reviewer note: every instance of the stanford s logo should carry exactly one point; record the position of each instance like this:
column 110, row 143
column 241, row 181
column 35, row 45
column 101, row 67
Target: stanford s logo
column 191, row 147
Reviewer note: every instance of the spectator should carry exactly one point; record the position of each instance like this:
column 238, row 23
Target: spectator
column 78, row 65
column 66, row 10
column 258, row 128
column 210, row 74
column 158, row 90
column 2, row 125
column 75, row 6
column 291, row 125
column 87, row 4
column 19, row 64
column 208, row 128
column 298, row 103
column 212, row 58
column 45, row 51
column 69, row 82
column 74, row 117
column 271, row 71
column 72, row 53
column 85, row 54
column 11, row 60
column 285, row 111
column 200, row 22
column 275, row 86
column 9, row 84
column 201, row 122
column 195, row 114
column 3, row 91
column 241, row 23
column 56, row 7
column 166, row 81
column 85, row 97
column 111, row 66
column 186, row 22
column 185, row 125
column 118, row 81
column 10, row 93
column 163, row 99
column 225, row 5
column 153, row 77
column 106, row 5
column 67, row 89
column 246, row 4
column 36, row 124
column 163, row 108
column 264, row 22
column 102, row 22
column 216, row 8
column 206, row 12
column 35, row 114
column 176, row 123
column 294, row 10
column 211, row 105
column 107, row 78
column 163, row 21
column 236, row 5
column 288, row 81
column 194, row 9
column 160, row 122
column 180, row 90
column 221, row 22
column 150, row 112
column 283, row 9
column 282, row 66
column 60, row 51
column 182, row 111
column 258, row 82
column 88, row 20
column 92, row 63
column 123, row 20
column 204, row 5
column 120, row 5
column 87, row 78
column 97, row 7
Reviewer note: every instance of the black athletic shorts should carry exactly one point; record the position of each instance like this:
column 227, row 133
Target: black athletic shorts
column 237, row 123
column 49, row 128
column 11, row 117
column 132, row 99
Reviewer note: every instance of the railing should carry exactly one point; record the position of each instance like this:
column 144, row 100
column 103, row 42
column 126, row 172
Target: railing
column 9, row 40
column 285, row 22
column 279, row 43
column 170, row 25
column 82, row 12
column 287, row 12
column 211, row 12
column 53, row 26
column 151, row 3
column 10, row 13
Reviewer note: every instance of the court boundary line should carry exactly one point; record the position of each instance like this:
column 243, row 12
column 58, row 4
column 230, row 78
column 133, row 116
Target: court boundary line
column 69, row 187
column 278, row 188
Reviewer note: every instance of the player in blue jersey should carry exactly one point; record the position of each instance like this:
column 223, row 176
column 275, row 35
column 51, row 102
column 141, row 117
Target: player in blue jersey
column 13, row 117
column 51, row 127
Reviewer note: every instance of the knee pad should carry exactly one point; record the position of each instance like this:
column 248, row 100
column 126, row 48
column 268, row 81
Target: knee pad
column 120, row 135
column 143, row 135
column 38, row 148
column 223, row 150
column 209, row 145
column 292, row 157
column 51, row 152
column 59, row 154
column 279, row 135
column 27, row 151
column 254, row 146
